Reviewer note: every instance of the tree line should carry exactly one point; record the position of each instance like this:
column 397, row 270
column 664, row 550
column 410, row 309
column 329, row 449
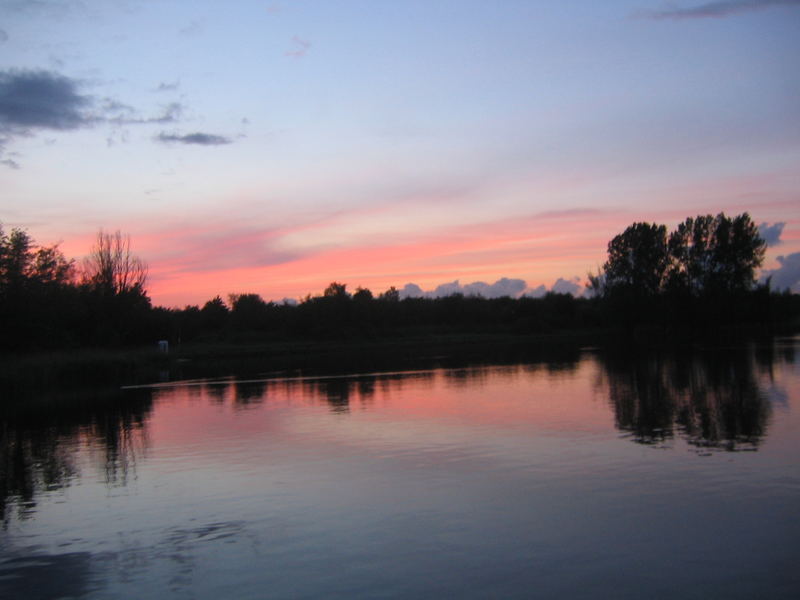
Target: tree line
column 701, row 276
column 49, row 301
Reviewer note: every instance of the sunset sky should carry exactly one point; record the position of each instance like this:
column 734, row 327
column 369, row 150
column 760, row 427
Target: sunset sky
column 272, row 147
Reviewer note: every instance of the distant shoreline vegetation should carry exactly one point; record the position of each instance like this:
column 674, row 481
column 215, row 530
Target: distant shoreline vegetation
column 696, row 280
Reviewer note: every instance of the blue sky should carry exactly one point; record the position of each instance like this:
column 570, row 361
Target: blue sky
column 272, row 147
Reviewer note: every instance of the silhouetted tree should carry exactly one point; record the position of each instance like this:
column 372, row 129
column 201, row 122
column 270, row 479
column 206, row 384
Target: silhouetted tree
column 362, row 295
column 16, row 257
column 248, row 311
column 336, row 290
column 35, row 291
column 21, row 261
column 700, row 276
column 390, row 295
column 51, row 267
column 637, row 260
column 111, row 268
column 214, row 313
column 715, row 254
column 114, row 279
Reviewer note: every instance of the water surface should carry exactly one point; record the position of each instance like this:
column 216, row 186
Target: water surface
column 658, row 475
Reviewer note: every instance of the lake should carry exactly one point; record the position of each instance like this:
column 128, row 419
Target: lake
column 598, row 475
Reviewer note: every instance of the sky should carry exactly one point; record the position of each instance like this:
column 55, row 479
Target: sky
column 488, row 147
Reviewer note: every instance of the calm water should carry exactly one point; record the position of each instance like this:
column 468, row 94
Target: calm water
column 606, row 476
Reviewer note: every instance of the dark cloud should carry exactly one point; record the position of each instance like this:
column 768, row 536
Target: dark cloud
column 200, row 139
column 771, row 233
column 3, row 36
column 41, row 100
column 787, row 275
column 719, row 9
column 300, row 49
column 35, row 100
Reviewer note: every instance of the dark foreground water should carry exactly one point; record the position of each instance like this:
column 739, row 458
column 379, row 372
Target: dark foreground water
column 600, row 476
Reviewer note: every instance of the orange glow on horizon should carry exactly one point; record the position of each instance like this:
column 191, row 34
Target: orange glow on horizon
column 380, row 245
column 536, row 250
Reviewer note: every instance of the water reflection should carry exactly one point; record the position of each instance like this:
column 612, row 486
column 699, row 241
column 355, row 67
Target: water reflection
column 713, row 399
column 46, row 576
column 337, row 392
column 249, row 392
column 40, row 442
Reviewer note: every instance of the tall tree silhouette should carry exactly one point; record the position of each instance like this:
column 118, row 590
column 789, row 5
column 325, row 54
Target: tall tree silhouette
column 34, row 291
column 715, row 254
column 637, row 260
column 111, row 268
column 114, row 279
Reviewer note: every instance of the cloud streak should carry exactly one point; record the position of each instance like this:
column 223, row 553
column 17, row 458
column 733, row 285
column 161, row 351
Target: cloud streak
column 119, row 114
column 196, row 139
column 723, row 8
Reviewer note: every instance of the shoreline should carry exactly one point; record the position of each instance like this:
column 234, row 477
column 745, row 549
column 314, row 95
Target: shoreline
column 35, row 373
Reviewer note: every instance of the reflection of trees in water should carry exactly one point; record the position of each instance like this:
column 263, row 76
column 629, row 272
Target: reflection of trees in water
column 31, row 461
column 249, row 392
column 340, row 391
column 217, row 391
column 562, row 360
column 713, row 399
column 39, row 443
column 466, row 366
column 336, row 392
column 466, row 377
column 121, row 435
column 561, row 363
